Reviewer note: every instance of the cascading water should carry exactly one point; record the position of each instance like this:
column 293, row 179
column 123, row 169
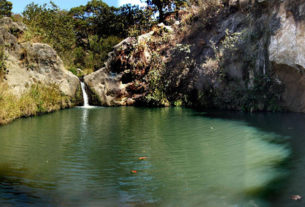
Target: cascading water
column 85, row 95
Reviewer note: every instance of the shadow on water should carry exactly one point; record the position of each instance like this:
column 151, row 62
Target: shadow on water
column 292, row 127
column 15, row 189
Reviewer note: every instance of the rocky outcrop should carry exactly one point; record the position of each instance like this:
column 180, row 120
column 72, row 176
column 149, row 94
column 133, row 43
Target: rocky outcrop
column 243, row 55
column 109, row 89
column 33, row 63
column 287, row 53
column 125, row 78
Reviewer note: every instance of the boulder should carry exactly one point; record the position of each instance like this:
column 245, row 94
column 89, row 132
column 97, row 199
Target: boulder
column 33, row 63
column 107, row 88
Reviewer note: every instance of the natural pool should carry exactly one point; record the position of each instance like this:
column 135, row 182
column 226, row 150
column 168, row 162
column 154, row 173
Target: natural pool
column 85, row 157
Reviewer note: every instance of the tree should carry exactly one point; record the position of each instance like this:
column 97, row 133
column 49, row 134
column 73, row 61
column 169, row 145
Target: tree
column 131, row 17
column 98, row 27
column 5, row 8
column 85, row 35
column 51, row 25
column 164, row 6
column 96, row 17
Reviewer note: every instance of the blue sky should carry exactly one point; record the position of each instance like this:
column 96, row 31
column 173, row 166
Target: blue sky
column 19, row 5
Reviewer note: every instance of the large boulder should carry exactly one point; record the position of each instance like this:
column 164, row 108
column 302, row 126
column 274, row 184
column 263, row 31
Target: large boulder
column 33, row 63
column 106, row 89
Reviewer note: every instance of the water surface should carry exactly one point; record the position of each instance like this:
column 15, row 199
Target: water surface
column 85, row 157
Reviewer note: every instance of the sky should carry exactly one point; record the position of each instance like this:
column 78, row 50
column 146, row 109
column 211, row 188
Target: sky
column 19, row 5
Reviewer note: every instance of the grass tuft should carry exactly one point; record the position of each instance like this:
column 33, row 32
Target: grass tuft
column 37, row 100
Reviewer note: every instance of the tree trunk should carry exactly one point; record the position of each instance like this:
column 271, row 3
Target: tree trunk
column 161, row 15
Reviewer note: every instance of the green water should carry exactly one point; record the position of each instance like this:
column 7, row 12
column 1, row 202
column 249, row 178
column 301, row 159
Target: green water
column 84, row 157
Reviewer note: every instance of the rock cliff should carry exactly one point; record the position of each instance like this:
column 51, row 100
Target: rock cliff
column 287, row 52
column 240, row 55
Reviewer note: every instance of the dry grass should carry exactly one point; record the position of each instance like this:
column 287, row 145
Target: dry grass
column 207, row 3
column 37, row 100
column 211, row 66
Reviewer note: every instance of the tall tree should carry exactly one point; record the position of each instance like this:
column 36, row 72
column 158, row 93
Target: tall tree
column 97, row 17
column 5, row 8
column 51, row 25
column 130, row 17
column 164, row 6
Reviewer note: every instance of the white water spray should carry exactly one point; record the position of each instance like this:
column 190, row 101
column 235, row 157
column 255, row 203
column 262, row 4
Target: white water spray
column 85, row 95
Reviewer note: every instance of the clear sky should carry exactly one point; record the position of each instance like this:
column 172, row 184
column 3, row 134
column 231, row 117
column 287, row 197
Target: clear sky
column 19, row 5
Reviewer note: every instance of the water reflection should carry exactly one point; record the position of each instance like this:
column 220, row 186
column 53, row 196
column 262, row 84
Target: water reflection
column 84, row 121
column 84, row 157
column 291, row 126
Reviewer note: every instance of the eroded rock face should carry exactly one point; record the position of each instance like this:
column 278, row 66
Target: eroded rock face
column 287, row 53
column 109, row 89
column 120, row 82
column 287, row 45
column 33, row 63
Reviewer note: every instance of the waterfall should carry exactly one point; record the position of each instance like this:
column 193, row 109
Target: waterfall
column 85, row 95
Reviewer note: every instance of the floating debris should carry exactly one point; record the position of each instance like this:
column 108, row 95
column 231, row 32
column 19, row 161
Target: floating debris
column 142, row 158
column 133, row 172
column 296, row 197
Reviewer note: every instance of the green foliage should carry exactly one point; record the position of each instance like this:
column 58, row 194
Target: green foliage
column 96, row 17
column 162, row 7
column 85, row 35
column 73, row 70
column 133, row 20
column 5, row 8
column 79, row 53
column 51, row 25
column 178, row 103
column 156, row 95
column 99, row 49
column 95, row 56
